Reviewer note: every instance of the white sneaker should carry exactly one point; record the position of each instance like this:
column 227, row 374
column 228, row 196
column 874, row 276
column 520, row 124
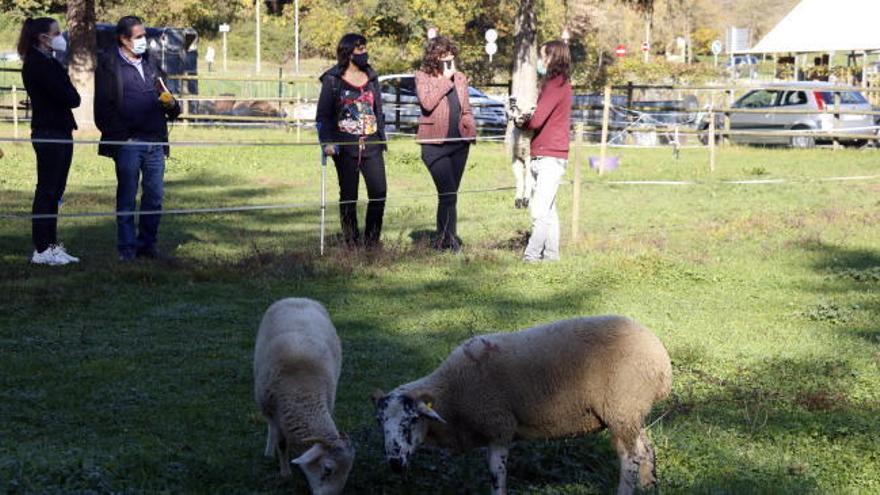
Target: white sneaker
column 47, row 257
column 60, row 253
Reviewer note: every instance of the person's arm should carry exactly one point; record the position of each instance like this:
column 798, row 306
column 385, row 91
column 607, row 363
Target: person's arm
column 56, row 84
column 103, row 103
column 378, row 110
column 462, row 80
column 547, row 102
column 326, row 111
column 431, row 90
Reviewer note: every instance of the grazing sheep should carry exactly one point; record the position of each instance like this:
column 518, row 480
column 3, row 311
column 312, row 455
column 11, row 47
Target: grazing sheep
column 560, row 380
column 297, row 361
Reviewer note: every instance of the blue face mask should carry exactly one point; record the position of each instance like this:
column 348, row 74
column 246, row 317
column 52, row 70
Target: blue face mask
column 542, row 70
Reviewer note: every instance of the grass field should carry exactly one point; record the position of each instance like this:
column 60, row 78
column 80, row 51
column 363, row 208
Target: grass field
column 137, row 378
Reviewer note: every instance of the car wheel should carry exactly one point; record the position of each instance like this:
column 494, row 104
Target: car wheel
column 803, row 142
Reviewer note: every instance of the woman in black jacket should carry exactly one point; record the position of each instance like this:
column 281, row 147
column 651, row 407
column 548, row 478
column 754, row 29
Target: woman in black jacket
column 52, row 97
column 351, row 128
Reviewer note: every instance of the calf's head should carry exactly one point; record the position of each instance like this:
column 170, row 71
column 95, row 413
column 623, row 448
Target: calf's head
column 404, row 418
column 326, row 465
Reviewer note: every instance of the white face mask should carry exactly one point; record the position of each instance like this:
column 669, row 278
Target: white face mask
column 139, row 45
column 59, row 44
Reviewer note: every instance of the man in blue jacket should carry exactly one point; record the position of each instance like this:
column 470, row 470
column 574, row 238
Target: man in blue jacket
column 132, row 105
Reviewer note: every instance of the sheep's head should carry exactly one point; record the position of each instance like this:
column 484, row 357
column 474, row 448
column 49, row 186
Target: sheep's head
column 403, row 417
column 326, row 465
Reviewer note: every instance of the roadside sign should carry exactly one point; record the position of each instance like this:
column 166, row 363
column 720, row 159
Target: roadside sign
column 645, row 46
column 224, row 28
column 491, row 36
column 717, row 47
column 491, row 49
column 620, row 51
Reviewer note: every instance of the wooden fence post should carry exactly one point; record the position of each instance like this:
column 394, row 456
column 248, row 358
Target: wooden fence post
column 577, row 156
column 711, row 138
column 14, row 111
column 603, row 148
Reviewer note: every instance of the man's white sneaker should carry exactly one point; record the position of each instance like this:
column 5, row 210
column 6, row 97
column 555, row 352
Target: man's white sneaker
column 61, row 253
column 47, row 257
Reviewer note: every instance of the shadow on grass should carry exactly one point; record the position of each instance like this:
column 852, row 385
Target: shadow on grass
column 137, row 378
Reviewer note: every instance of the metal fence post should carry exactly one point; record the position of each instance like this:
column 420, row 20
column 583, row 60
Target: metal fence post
column 836, row 119
column 725, row 139
column 603, row 149
column 576, row 188
column 14, row 111
column 323, row 196
column 397, row 108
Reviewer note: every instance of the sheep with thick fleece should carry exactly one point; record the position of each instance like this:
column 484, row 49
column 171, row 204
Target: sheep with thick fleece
column 297, row 362
column 564, row 379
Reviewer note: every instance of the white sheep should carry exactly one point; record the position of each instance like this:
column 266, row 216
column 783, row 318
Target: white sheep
column 297, row 362
column 560, row 380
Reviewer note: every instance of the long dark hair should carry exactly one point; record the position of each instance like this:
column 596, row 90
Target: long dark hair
column 436, row 48
column 125, row 25
column 346, row 47
column 31, row 30
column 560, row 59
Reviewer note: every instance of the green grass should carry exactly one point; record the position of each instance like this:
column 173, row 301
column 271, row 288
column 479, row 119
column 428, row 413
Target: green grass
column 137, row 378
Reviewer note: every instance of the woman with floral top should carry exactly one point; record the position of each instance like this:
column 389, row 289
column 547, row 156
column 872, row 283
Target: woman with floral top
column 351, row 130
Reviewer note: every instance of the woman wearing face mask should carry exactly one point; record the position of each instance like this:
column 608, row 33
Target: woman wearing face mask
column 446, row 131
column 351, row 128
column 549, row 148
column 52, row 97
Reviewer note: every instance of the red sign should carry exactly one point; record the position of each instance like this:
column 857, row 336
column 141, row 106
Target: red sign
column 645, row 46
column 620, row 51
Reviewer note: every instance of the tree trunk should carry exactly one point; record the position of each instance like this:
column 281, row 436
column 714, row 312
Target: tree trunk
column 81, row 57
column 524, row 82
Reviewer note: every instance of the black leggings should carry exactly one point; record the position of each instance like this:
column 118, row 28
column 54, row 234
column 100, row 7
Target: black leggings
column 372, row 166
column 53, row 166
column 446, row 163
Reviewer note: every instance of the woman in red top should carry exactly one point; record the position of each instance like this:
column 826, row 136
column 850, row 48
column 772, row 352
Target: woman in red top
column 549, row 149
column 446, row 131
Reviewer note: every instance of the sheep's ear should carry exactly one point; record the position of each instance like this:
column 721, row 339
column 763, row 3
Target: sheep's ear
column 426, row 409
column 315, row 440
column 309, row 456
column 376, row 395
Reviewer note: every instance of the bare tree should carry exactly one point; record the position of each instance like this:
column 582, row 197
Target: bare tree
column 81, row 57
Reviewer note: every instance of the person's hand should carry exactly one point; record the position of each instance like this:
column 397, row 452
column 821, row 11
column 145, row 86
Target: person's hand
column 449, row 69
column 166, row 99
column 329, row 150
column 522, row 120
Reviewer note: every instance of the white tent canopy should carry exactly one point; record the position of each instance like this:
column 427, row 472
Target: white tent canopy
column 822, row 26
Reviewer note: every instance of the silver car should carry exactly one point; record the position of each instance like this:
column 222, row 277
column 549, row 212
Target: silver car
column 808, row 97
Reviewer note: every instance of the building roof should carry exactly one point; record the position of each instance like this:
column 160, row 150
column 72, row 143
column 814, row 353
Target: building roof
column 821, row 26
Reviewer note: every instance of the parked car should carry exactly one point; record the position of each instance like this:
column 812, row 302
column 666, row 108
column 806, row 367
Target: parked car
column 741, row 65
column 796, row 96
column 488, row 112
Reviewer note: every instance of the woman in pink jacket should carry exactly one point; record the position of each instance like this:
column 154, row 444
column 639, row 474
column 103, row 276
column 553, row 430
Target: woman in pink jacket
column 446, row 131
